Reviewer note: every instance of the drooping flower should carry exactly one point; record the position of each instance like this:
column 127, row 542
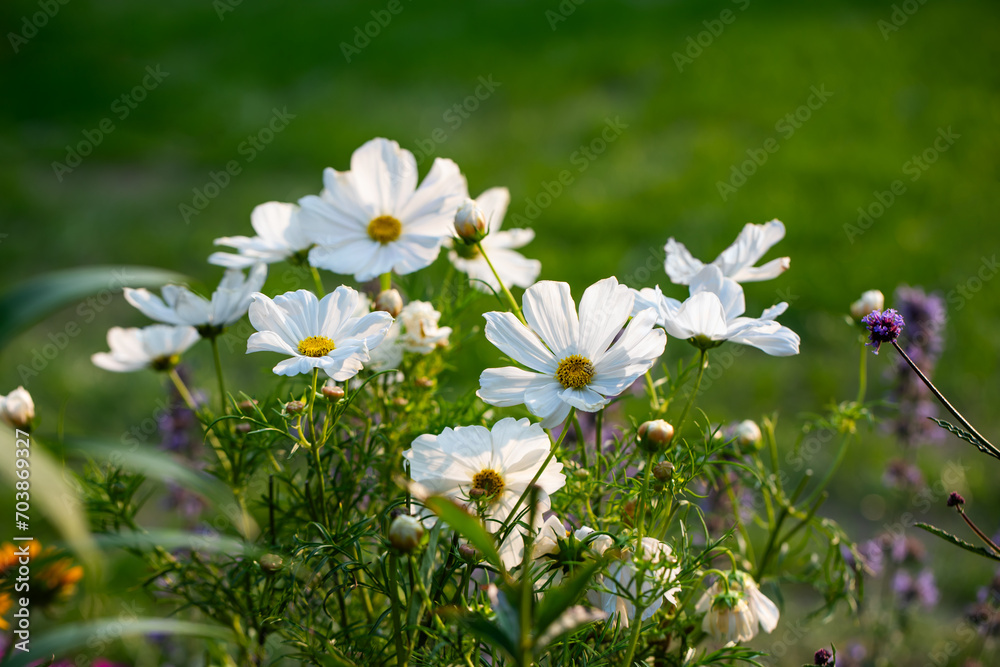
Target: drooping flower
column 279, row 237
column 374, row 219
column 421, row 332
column 735, row 615
column 617, row 592
column 182, row 307
column 572, row 359
column 514, row 268
column 737, row 261
column 499, row 463
column 17, row 409
column 883, row 327
column 157, row 346
column 316, row 333
column 713, row 314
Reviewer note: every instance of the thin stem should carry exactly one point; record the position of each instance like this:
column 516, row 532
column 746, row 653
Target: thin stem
column 702, row 361
column 978, row 532
column 218, row 373
column 188, row 399
column 640, row 553
column 320, row 292
column 651, row 388
column 863, row 375
column 397, row 626
column 386, row 281
column 516, row 309
column 985, row 445
column 315, row 449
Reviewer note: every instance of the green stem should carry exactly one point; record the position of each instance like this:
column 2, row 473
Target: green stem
column 990, row 543
column 651, row 388
column 320, row 292
column 218, row 373
column 639, row 553
column 315, row 445
column 386, row 281
column 397, row 626
column 188, row 399
column 702, row 360
column 516, row 309
column 863, row 375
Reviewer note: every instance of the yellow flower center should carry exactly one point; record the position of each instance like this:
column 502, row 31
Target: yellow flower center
column 575, row 372
column 165, row 363
column 315, row 346
column 488, row 480
column 385, row 229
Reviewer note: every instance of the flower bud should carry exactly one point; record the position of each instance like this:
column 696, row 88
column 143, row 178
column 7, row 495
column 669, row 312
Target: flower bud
column 17, row 409
column 271, row 563
column 747, row 433
column 476, row 494
column 424, row 382
column 333, row 392
column 405, row 533
column 244, row 427
column 870, row 301
column 390, row 302
column 663, row 471
column 400, row 402
column 468, row 552
column 655, row 435
column 294, row 407
column 247, row 406
column 470, row 223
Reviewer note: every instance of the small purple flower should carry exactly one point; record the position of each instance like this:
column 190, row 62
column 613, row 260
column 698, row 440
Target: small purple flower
column 822, row 657
column 955, row 499
column 884, row 327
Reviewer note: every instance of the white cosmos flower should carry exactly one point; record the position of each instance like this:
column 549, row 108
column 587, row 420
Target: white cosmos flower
column 17, row 409
column 374, row 219
column 714, row 314
column 158, row 346
column 513, row 267
column 279, row 237
column 421, row 332
column 316, row 333
column 572, row 359
column 501, row 461
column 735, row 616
column 182, row 307
column 737, row 261
column 616, row 591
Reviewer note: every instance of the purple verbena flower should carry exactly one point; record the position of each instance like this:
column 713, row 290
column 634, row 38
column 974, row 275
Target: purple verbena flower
column 883, row 327
column 822, row 657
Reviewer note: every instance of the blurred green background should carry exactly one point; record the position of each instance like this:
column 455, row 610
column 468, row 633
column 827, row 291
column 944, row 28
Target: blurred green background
column 696, row 89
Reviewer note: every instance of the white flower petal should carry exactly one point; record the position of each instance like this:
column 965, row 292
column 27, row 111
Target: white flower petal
column 680, row 265
column 711, row 279
column 551, row 313
column 505, row 387
column 518, row 342
column 604, row 309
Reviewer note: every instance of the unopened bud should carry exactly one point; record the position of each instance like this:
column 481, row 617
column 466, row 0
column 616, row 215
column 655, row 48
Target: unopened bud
column 17, row 409
column 244, row 427
column 390, row 302
column 400, row 402
column 247, row 406
column 476, row 494
column 405, row 533
column 424, row 382
column 295, row 406
column 747, row 433
column 271, row 563
column 468, row 552
column 655, row 435
column 333, row 392
column 470, row 223
column 663, row 471
column 870, row 301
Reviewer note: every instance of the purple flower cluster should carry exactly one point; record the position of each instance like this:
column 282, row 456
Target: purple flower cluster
column 883, row 327
column 911, row 589
column 923, row 342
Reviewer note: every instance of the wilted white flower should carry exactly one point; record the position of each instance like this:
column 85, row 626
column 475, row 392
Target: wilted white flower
column 736, row 615
column 158, row 347
column 737, row 261
column 870, row 301
column 421, row 332
column 316, row 333
column 182, row 307
column 17, row 409
column 616, row 591
column 572, row 359
column 514, row 268
column 713, row 313
column 500, row 462
column 374, row 219
column 279, row 237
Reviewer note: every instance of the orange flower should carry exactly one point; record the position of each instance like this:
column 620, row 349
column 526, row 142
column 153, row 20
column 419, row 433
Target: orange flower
column 5, row 605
